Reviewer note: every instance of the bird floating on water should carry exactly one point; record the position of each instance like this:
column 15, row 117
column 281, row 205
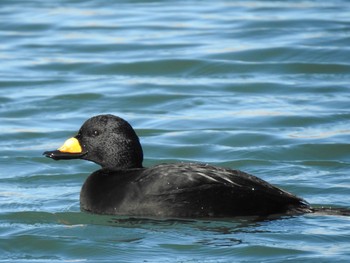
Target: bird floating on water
column 175, row 190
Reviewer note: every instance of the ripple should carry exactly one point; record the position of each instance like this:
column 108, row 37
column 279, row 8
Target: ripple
column 261, row 86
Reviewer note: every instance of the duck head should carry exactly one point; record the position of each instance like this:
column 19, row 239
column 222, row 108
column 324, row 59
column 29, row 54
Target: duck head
column 106, row 140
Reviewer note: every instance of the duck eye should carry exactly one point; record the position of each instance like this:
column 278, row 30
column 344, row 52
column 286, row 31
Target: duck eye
column 78, row 135
column 95, row 133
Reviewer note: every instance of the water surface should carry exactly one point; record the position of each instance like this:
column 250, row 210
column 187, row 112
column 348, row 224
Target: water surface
column 261, row 86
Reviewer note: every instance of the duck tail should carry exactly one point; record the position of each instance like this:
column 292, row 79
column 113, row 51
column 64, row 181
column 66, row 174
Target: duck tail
column 331, row 211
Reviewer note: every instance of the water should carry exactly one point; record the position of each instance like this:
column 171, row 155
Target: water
column 261, row 86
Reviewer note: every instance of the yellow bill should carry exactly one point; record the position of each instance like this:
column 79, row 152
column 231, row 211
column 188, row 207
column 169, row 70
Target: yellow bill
column 71, row 145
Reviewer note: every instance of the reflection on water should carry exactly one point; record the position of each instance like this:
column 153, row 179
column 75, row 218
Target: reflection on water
column 260, row 86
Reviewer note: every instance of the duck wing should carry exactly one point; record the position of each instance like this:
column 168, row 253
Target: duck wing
column 201, row 190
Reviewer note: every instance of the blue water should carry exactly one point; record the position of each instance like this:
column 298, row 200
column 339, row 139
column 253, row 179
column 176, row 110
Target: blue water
column 260, row 86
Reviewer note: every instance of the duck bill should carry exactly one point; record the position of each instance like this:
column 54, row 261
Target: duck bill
column 71, row 149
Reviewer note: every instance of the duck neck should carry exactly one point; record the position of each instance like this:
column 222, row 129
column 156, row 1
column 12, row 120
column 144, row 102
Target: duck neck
column 129, row 159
